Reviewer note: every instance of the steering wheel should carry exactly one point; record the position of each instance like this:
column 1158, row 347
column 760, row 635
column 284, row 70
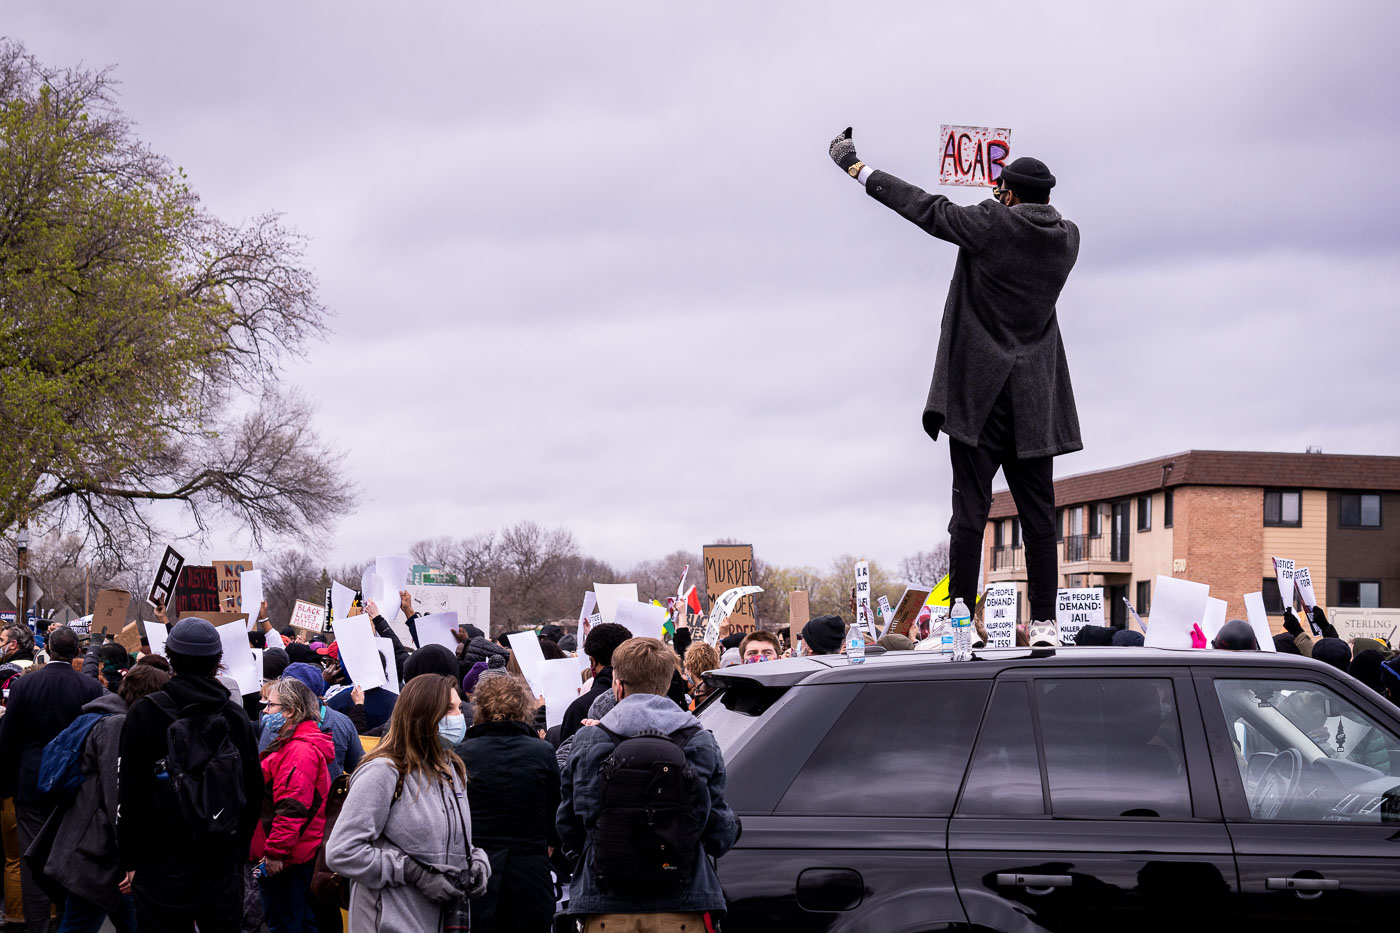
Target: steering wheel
column 1277, row 785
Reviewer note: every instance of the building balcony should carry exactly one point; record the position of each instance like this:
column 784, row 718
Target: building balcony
column 1095, row 554
column 1008, row 564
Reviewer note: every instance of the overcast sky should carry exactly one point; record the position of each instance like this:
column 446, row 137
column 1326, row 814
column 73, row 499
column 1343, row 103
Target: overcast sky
column 591, row 265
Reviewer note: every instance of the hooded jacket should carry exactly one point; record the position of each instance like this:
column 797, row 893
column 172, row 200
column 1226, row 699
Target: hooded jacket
column 581, row 791
column 42, row 704
column 1000, row 327
column 84, row 854
column 296, row 779
column 150, row 831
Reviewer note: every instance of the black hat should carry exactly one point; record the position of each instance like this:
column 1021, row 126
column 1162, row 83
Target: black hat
column 1236, row 635
column 1332, row 651
column 1127, row 638
column 196, row 638
column 733, row 639
column 824, row 634
column 1026, row 172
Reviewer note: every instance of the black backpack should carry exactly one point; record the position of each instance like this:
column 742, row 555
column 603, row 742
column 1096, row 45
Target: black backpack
column 648, row 833
column 204, row 771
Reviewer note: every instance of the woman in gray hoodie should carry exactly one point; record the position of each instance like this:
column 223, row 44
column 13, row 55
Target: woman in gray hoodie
column 403, row 837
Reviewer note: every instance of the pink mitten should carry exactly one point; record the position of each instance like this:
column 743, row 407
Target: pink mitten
column 1198, row 637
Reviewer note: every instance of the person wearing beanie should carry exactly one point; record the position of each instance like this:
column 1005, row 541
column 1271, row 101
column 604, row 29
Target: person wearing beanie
column 822, row 635
column 1285, row 643
column 1094, row 636
column 470, row 678
column 1332, row 651
column 275, row 661
column 309, row 674
column 1366, row 667
column 552, row 632
column 1001, row 386
column 1127, row 638
column 895, row 642
column 432, row 659
column 179, row 885
column 732, row 640
column 568, row 644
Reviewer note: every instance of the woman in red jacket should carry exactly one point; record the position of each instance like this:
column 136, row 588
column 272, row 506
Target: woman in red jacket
column 293, row 820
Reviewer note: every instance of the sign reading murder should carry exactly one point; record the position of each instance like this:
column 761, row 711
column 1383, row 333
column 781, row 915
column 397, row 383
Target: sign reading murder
column 999, row 615
column 308, row 616
column 972, row 156
column 230, row 574
column 163, row 586
column 1077, row 608
column 864, row 617
column 196, row 590
column 728, row 566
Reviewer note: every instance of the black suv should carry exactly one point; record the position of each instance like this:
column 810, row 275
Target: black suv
column 1073, row 789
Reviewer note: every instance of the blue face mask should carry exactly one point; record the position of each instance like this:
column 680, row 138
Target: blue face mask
column 452, row 729
column 273, row 722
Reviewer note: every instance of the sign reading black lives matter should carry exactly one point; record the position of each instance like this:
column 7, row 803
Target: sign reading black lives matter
column 1077, row 608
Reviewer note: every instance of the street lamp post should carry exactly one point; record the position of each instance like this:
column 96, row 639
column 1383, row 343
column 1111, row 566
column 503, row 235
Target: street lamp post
column 22, row 580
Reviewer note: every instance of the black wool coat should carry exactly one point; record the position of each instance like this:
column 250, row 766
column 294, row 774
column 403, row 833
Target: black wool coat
column 999, row 326
column 42, row 704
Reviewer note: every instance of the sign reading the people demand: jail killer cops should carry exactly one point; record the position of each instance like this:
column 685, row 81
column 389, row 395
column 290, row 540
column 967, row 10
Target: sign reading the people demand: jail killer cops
column 999, row 615
column 1077, row 608
column 972, row 156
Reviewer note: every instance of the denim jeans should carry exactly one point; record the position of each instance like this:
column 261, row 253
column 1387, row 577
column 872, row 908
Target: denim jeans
column 286, row 899
column 83, row 916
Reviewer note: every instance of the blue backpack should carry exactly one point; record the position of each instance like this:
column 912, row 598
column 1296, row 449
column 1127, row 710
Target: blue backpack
column 61, row 771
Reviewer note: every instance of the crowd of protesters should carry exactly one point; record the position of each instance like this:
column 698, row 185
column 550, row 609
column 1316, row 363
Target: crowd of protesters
column 148, row 791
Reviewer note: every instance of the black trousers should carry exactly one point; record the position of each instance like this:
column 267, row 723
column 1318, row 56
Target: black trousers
column 1033, row 489
column 222, row 913
column 30, row 817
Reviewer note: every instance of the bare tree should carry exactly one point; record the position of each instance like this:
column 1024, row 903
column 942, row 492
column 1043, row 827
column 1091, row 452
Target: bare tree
column 926, row 568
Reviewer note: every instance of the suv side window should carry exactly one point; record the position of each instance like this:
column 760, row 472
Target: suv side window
column 1005, row 775
column 1113, row 747
column 899, row 749
column 1305, row 753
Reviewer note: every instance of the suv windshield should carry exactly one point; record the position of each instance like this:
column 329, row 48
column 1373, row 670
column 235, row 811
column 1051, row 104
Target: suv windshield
column 735, row 711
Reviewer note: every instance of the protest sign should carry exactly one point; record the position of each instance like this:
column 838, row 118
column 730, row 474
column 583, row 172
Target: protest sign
column 799, row 614
column 1177, row 607
column 609, row 595
column 250, row 592
column 526, row 647
column 196, row 590
column 230, row 574
column 1283, row 570
column 1366, row 623
column 129, row 638
column 643, row 620
column 1076, row 608
column 471, row 603
column 885, row 612
column 722, row 609
column 728, row 566
column 999, row 615
column 906, row 610
column 308, row 616
column 559, row 685
column 156, row 634
column 972, row 155
column 393, row 573
column 1214, row 617
column 167, row 574
column 342, row 598
column 216, row 618
column 385, row 647
column 1133, row 614
column 1259, row 621
column 436, row 629
column 238, row 657
column 358, row 652
column 864, row 617
column 109, row 615
column 1303, row 580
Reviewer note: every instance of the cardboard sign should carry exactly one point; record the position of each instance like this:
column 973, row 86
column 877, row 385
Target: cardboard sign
column 1283, row 570
column 1303, row 580
column 230, row 574
column 728, row 566
column 109, row 616
column 196, row 590
column 218, row 619
column 130, row 638
column 864, row 617
column 1077, row 608
column 999, row 615
column 799, row 614
column 1366, row 623
column 906, row 610
column 167, row 575
column 308, row 616
column 972, row 155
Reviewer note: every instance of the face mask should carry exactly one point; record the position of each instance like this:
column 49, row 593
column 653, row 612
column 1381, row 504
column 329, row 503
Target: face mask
column 452, row 729
column 273, row 722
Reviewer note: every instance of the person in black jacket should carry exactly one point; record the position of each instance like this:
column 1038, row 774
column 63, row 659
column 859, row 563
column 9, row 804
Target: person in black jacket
column 514, row 795
column 177, row 882
column 602, row 640
column 42, row 704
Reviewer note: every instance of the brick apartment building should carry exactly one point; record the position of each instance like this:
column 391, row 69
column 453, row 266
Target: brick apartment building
column 1217, row 517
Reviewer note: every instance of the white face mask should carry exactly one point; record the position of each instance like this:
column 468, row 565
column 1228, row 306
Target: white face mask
column 452, row 729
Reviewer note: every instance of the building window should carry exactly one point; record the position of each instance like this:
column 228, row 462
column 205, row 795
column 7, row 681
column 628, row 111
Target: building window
column 1167, row 508
column 1060, row 525
column 1144, row 597
column 1361, row 510
column 1015, row 532
column 1360, row 594
column 1273, row 605
column 1144, row 510
column 999, row 534
column 1283, row 508
column 1076, row 520
column 1095, row 520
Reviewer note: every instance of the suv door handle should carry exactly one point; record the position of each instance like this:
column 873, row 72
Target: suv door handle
column 1035, row 884
column 1305, row 888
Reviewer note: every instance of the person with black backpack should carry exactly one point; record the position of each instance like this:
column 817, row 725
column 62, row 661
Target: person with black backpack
column 642, row 808
column 189, row 793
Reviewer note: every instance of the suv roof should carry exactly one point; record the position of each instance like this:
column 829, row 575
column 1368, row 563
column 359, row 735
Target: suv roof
column 896, row 665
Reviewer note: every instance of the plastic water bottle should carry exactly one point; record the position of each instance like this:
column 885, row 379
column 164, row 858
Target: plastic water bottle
column 855, row 645
column 960, row 621
column 945, row 641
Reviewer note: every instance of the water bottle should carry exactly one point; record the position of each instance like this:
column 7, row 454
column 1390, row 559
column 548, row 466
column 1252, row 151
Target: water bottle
column 945, row 640
column 960, row 621
column 855, row 645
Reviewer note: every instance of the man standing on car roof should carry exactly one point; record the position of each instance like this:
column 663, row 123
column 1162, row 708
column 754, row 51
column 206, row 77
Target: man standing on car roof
column 1001, row 388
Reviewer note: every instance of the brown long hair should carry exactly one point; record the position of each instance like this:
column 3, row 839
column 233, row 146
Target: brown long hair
column 411, row 743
